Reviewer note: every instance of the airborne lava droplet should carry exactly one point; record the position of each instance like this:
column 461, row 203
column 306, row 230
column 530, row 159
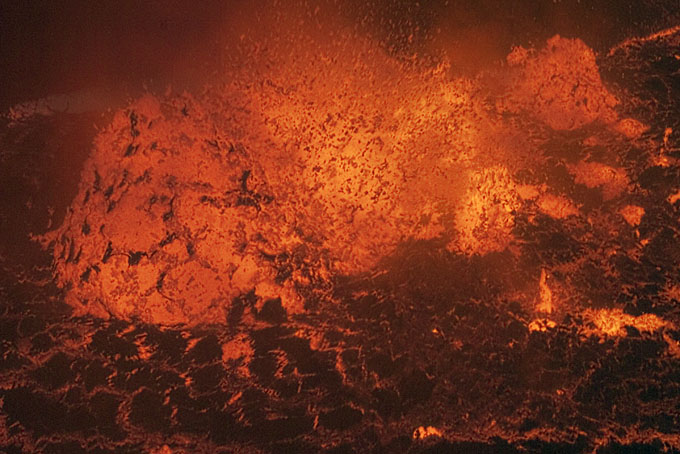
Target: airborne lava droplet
column 546, row 300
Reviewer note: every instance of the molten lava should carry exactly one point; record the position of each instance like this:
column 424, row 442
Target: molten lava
column 307, row 165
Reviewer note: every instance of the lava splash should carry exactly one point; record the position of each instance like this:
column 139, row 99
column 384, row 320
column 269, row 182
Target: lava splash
column 316, row 164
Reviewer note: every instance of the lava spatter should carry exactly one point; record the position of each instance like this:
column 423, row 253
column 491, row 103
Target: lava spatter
column 317, row 165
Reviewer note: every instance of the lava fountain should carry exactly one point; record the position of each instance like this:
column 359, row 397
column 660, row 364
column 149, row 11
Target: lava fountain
column 332, row 241
column 310, row 164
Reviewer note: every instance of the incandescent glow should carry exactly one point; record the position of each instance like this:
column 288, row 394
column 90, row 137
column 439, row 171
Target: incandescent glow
column 546, row 300
column 313, row 161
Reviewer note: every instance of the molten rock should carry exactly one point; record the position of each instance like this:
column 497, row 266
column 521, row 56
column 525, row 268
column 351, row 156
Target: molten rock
column 322, row 167
column 172, row 221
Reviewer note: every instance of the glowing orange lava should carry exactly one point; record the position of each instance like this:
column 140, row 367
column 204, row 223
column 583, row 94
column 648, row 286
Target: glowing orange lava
column 310, row 163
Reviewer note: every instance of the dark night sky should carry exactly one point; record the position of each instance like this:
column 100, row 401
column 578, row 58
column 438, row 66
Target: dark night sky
column 50, row 47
